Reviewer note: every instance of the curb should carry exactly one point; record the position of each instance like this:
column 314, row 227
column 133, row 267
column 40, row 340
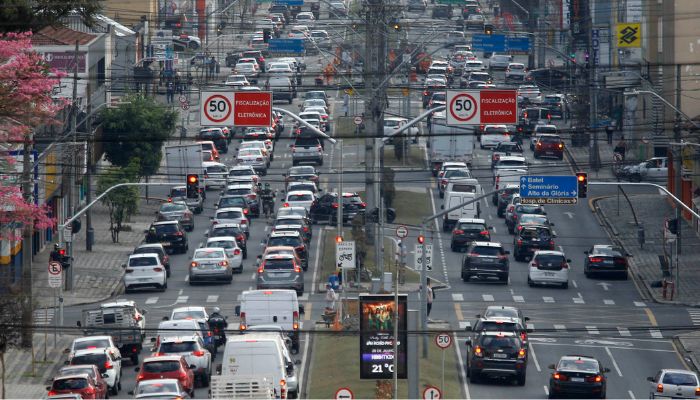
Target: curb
column 689, row 358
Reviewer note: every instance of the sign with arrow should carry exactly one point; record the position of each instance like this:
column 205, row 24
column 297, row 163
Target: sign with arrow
column 548, row 189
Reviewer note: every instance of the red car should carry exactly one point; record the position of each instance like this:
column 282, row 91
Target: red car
column 81, row 384
column 167, row 367
column 93, row 371
column 549, row 146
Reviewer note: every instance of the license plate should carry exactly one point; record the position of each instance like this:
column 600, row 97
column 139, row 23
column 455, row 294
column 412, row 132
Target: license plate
column 549, row 274
column 487, row 260
column 574, row 379
column 607, row 261
column 165, row 244
column 500, row 355
column 144, row 279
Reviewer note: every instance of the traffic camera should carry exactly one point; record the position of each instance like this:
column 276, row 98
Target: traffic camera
column 582, row 179
column 192, row 186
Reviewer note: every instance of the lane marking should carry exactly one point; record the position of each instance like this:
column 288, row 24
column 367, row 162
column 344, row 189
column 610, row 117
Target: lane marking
column 530, row 326
column 518, row 299
column 631, row 394
column 614, row 363
column 463, row 325
column 639, row 304
column 307, row 311
column 151, row 300
column 252, row 277
column 494, row 230
column 608, row 302
column 187, row 278
column 656, row 334
column 546, row 390
column 560, row 327
column 182, row 299
column 458, row 312
column 458, row 349
column 457, row 297
column 487, row 297
column 318, row 250
column 303, row 297
column 578, row 300
column 534, row 358
column 573, row 282
column 548, row 299
column 624, row 331
column 592, row 330
column 212, row 298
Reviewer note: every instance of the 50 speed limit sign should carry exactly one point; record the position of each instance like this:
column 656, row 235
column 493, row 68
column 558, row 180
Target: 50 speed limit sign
column 462, row 108
column 487, row 106
column 216, row 108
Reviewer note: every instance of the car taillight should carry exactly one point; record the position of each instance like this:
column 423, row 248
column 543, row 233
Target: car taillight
column 564, row 265
column 560, row 377
column 444, row 181
column 285, row 205
column 478, row 352
column 503, row 257
column 595, row 378
column 52, row 392
column 198, row 353
column 536, row 264
column 525, row 115
column 697, row 391
column 260, row 270
column 301, row 248
column 457, row 232
column 297, row 269
column 140, row 377
column 473, row 254
column 659, row 388
column 182, row 375
column 89, row 391
column 306, row 229
column 319, row 148
column 258, row 159
column 595, row 259
column 551, row 244
column 295, row 319
column 158, row 354
column 539, row 144
column 523, row 336
column 179, row 234
column 223, row 263
column 158, row 269
column 193, row 264
column 334, row 205
column 496, row 157
column 236, row 252
column 425, row 93
column 206, row 176
column 561, row 145
column 521, row 353
column 108, row 364
column 245, row 211
column 620, row 261
column 484, row 233
column 283, row 389
column 520, row 242
column 240, row 238
column 515, row 217
column 128, row 271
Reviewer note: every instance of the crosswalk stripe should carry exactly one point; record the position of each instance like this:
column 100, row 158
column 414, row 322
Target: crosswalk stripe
column 624, row 331
column 560, row 327
column 464, row 324
column 238, row 298
column 487, row 297
column 518, row 299
column 182, row 299
column 655, row 333
column 593, row 330
column 578, row 300
column 457, row 297
column 548, row 299
column 640, row 304
column 608, row 302
column 530, row 326
column 152, row 300
column 303, row 297
column 213, row 298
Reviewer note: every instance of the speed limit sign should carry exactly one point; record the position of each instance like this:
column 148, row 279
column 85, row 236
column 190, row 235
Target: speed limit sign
column 217, row 109
column 443, row 340
column 463, row 108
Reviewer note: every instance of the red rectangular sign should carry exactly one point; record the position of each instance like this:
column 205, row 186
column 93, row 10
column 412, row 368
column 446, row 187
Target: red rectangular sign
column 499, row 107
column 252, row 109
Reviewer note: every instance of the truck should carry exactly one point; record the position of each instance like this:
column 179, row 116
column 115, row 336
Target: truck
column 121, row 319
column 251, row 387
column 448, row 143
column 182, row 159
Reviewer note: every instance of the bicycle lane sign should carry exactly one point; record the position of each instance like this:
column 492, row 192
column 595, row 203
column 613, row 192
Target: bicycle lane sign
column 345, row 254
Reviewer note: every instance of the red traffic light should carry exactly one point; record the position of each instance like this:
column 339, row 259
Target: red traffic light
column 421, row 239
column 62, row 252
column 192, row 178
column 581, row 177
column 339, row 239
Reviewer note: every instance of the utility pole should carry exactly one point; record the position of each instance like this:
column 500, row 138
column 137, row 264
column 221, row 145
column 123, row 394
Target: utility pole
column 27, row 233
column 72, row 165
column 594, row 156
column 678, row 165
column 89, row 232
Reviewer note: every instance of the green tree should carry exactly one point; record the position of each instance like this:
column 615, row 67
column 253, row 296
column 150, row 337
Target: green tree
column 32, row 15
column 137, row 128
column 122, row 202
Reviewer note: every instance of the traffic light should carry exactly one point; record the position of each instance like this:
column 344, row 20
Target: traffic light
column 488, row 29
column 339, row 239
column 672, row 226
column 192, row 186
column 421, row 239
column 266, row 35
column 396, row 25
column 582, row 179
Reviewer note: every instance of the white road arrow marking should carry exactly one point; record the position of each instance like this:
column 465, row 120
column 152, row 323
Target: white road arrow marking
column 569, row 214
column 605, row 285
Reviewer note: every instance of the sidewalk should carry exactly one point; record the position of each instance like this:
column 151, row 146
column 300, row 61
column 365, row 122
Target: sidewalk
column 651, row 212
column 97, row 274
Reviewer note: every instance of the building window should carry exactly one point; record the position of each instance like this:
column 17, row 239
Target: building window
column 100, row 72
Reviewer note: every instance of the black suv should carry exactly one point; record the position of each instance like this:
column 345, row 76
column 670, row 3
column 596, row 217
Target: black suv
column 442, row 11
column 467, row 230
column 485, row 260
column 243, row 202
column 326, row 208
column 217, row 136
column 168, row 233
column 233, row 230
column 530, row 239
column 498, row 354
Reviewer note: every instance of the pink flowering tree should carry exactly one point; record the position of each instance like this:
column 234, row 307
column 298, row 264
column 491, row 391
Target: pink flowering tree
column 26, row 86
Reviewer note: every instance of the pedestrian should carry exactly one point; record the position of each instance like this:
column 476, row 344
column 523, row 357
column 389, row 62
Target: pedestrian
column 334, row 281
column 431, row 297
column 170, row 92
column 621, row 147
column 331, row 297
column 212, row 66
column 346, row 102
column 609, row 132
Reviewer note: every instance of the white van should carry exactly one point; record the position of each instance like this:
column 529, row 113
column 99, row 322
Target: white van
column 271, row 307
column 463, row 185
column 503, row 177
column 452, row 199
column 261, row 355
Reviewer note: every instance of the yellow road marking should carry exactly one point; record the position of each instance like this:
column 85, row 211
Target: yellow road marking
column 307, row 311
column 458, row 311
column 652, row 318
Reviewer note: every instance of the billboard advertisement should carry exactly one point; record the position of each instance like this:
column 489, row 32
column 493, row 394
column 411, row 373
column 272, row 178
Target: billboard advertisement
column 377, row 336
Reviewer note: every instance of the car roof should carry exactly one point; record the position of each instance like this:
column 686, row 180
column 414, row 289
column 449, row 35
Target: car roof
column 285, row 233
column 239, row 209
column 158, row 223
column 143, row 255
column 82, row 375
column 188, row 338
column 279, row 256
column 471, row 221
column 548, row 253
column 300, row 192
column 226, row 225
column 162, row 358
column 222, row 238
column 189, row 308
column 84, row 338
column 487, row 244
column 99, row 350
column 151, row 246
column 117, row 303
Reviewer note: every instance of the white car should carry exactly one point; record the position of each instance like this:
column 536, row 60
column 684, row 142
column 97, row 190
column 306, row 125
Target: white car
column 264, row 145
column 530, row 93
column 279, row 68
column 542, row 129
column 210, row 264
column 391, row 124
column 253, row 158
column 214, row 174
column 108, row 362
column 515, row 72
column 90, row 342
column 306, row 17
column 232, row 215
column 192, row 348
column 492, row 135
column 242, row 174
column 144, row 270
column 197, row 313
column 237, row 80
column 548, row 267
column 300, row 198
column 296, row 34
column 474, row 66
column 674, row 383
column 314, row 103
column 233, row 252
column 321, row 38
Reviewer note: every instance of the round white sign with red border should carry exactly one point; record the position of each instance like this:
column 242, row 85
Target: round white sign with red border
column 463, row 107
column 443, row 340
column 401, row 232
column 432, row 393
column 344, row 393
column 357, row 120
column 216, row 109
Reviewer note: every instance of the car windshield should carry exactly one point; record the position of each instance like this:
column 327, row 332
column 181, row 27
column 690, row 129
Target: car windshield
column 529, row 209
column 500, row 342
column 536, row 233
column 177, row 347
column 216, row 169
column 226, row 231
column 226, row 244
column 147, row 387
column 206, row 253
column 550, row 139
column 229, row 215
column 91, row 344
column 178, row 192
column 457, row 173
column 143, row 261
column 188, row 314
column 352, row 199
column 306, row 170
column 98, row 359
column 284, row 263
column 500, row 312
column 487, row 251
column 496, row 129
column 232, row 202
column 240, row 172
column 249, row 153
column 607, row 251
column 550, row 260
column 470, row 226
column 155, row 367
column 552, row 99
column 509, row 146
column 70, row 384
column 287, row 211
column 533, row 219
column 284, row 241
column 676, row 378
column 171, row 207
column 300, row 197
column 579, row 365
column 497, row 326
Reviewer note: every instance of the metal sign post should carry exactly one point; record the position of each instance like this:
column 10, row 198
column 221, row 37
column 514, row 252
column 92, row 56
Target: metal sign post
column 443, row 341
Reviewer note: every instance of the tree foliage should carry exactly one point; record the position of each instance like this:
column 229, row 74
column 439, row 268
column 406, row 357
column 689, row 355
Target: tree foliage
column 138, row 128
column 32, row 15
column 26, row 86
column 121, row 202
